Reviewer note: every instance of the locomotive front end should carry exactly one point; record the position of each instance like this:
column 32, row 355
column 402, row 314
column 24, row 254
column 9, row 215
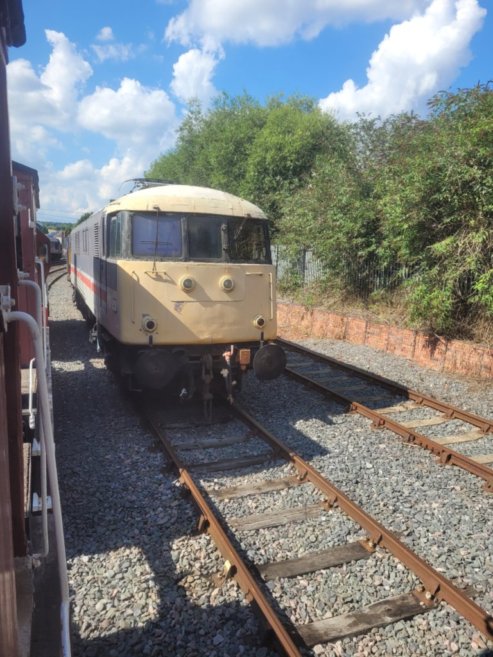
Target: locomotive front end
column 205, row 302
column 188, row 290
column 182, row 314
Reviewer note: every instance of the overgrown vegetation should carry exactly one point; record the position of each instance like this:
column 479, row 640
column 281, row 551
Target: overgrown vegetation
column 408, row 193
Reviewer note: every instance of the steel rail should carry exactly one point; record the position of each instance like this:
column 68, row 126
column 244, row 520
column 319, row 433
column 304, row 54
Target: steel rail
column 237, row 566
column 453, row 412
column 55, row 280
column 436, row 585
column 446, row 455
column 57, row 269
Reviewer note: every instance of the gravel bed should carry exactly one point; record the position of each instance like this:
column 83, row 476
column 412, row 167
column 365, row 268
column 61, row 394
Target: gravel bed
column 296, row 539
column 271, row 502
column 328, row 593
column 141, row 581
column 255, row 475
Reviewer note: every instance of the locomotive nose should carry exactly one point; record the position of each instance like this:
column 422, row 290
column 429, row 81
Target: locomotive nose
column 269, row 362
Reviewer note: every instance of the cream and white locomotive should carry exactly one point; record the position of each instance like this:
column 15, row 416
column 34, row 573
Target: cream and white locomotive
column 178, row 284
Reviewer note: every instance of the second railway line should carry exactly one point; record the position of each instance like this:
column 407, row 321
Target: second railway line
column 464, row 440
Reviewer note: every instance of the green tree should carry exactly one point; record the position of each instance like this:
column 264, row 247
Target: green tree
column 239, row 146
column 333, row 214
column 285, row 150
column 182, row 164
column 213, row 149
column 406, row 190
column 437, row 207
column 230, row 132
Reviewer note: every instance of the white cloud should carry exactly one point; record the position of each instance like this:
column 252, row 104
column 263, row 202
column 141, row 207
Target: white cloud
column 132, row 116
column 66, row 194
column 105, row 34
column 141, row 121
column 31, row 109
column 82, row 187
column 421, row 54
column 65, row 74
column 192, row 75
column 416, row 59
column 50, row 100
column 77, row 171
column 117, row 169
column 49, row 114
column 119, row 52
column 52, row 108
column 274, row 22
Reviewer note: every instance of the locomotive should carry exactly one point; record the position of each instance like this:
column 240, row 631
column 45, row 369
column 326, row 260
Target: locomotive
column 178, row 286
column 56, row 249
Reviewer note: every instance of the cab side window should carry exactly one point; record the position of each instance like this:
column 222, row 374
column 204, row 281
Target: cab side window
column 115, row 235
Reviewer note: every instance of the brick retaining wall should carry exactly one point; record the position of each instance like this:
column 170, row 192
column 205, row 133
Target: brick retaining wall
column 296, row 322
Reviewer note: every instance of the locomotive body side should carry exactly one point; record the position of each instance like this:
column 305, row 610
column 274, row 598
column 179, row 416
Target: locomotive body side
column 83, row 254
column 183, row 272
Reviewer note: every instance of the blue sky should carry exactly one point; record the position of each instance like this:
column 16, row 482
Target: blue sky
column 99, row 88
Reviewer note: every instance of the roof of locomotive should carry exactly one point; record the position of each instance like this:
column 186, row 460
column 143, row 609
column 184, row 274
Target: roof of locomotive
column 185, row 198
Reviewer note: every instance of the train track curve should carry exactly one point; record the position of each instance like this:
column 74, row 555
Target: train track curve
column 55, row 274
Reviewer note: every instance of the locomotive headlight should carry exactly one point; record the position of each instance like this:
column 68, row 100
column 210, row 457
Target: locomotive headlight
column 149, row 324
column 259, row 322
column 187, row 283
column 227, row 283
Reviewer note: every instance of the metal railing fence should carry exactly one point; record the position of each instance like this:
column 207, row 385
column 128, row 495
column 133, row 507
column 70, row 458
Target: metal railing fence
column 304, row 269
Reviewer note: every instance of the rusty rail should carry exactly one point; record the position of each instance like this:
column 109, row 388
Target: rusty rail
column 445, row 454
column 435, row 585
column 210, row 522
column 455, row 413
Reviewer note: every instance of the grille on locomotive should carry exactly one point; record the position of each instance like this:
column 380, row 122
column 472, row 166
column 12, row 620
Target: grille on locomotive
column 178, row 286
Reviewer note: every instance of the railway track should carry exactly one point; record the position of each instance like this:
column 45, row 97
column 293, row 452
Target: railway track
column 56, row 274
column 455, row 436
column 205, row 462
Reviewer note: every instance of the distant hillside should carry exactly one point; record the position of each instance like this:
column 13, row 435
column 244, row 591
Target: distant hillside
column 54, row 226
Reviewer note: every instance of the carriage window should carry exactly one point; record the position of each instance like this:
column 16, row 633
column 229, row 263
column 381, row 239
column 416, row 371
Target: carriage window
column 156, row 235
column 204, row 237
column 248, row 242
column 115, row 235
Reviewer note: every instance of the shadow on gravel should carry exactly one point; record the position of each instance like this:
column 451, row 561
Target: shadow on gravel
column 68, row 339
column 128, row 531
column 272, row 403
